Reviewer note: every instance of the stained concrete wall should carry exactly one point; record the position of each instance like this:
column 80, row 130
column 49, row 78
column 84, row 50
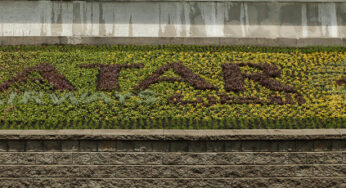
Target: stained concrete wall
column 77, row 20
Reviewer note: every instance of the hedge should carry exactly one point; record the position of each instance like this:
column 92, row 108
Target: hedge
column 175, row 87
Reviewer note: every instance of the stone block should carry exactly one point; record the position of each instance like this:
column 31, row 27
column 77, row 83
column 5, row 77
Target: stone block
column 279, row 158
column 270, row 171
column 287, row 146
column 16, row 183
column 16, row 145
column 253, row 171
column 10, row 171
column 262, row 158
column 286, row 171
column 342, row 145
column 26, row 158
column 3, row 145
column 178, row 146
column 304, row 146
column 51, row 145
column 106, row 145
column 70, row 145
column 160, row 146
column 322, row 182
column 62, row 158
column 8, row 158
column 197, row 146
column 233, row 146
column 44, row 158
column 99, row 158
column 143, row 146
column 34, row 145
column 81, row 158
column 238, row 158
column 323, row 145
column 135, row 158
column 333, row 158
column 297, row 158
column 329, row 170
column 315, row 158
column 53, row 171
column 153, row 158
column 50, row 182
column 125, row 146
column 250, row 146
column 87, row 146
column 189, row 158
column 302, row 171
column 339, row 145
column 269, row 146
column 126, row 158
column 215, row 146
column 93, row 171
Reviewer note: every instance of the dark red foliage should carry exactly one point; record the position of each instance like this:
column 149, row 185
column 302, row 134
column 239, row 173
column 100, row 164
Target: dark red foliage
column 289, row 99
column 186, row 76
column 234, row 78
column 341, row 81
column 268, row 69
column 269, row 83
column 274, row 99
column 224, row 98
column 300, row 99
column 211, row 100
column 47, row 71
column 107, row 79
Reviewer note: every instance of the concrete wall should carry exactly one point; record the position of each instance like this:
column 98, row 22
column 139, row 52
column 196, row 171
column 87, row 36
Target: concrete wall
column 207, row 21
column 173, row 158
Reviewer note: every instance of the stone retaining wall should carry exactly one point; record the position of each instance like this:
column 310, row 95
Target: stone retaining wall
column 177, row 158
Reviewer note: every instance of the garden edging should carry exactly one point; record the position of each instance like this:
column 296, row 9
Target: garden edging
column 164, row 134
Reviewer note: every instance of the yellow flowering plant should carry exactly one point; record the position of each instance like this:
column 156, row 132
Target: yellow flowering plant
column 185, row 87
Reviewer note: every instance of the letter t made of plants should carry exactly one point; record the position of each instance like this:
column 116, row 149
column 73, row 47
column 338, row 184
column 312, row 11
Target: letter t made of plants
column 107, row 79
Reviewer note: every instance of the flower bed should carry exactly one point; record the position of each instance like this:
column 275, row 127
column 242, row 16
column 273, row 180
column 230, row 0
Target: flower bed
column 184, row 87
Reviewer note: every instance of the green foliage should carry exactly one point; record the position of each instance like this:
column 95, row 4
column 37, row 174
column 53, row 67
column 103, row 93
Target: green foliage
column 36, row 105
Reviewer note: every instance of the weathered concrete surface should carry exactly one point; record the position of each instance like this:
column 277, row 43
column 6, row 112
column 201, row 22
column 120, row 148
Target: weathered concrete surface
column 75, row 22
column 301, row 1
column 286, row 42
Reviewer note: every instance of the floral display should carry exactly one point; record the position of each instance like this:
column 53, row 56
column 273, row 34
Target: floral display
column 174, row 87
